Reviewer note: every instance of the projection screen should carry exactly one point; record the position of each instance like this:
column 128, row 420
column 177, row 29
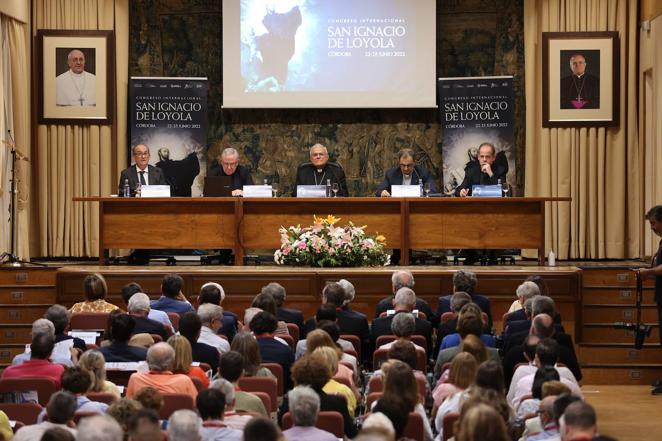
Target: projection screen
column 329, row 53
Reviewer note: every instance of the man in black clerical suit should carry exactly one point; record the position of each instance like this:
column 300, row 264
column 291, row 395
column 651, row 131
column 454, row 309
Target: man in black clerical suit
column 140, row 173
column 580, row 90
column 407, row 173
column 319, row 170
column 488, row 170
column 229, row 166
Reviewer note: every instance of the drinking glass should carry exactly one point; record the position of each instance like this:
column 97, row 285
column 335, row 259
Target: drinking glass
column 426, row 189
column 505, row 188
column 335, row 189
column 274, row 189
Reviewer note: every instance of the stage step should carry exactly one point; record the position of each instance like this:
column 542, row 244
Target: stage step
column 606, row 333
column 621, row 374
column 616, row 296
column 617, row 313
column 21, row 314
column 624, row 353
column 8, row 352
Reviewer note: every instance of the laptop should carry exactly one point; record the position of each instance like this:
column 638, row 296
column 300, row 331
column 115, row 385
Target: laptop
column 217, row 186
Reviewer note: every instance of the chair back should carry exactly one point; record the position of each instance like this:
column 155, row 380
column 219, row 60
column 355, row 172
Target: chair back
column 174, row 319
column 330, row 421
column 89, row 321
column 371, row 398
column 448, row 316
column 267, row 385
column 26, row 413
column 173, row 402
column 376, row 383
column 277, row 370
column 355, row 341
column 383, row 339
column 449, row 424
column 266, row 400
column 289, row 339
column 415, row 428
column 379, row 357
column 293, row 329
column 45, row 387
column 102, row 397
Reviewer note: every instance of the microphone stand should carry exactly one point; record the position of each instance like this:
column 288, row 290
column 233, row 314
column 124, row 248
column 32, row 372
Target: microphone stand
column 9, row 258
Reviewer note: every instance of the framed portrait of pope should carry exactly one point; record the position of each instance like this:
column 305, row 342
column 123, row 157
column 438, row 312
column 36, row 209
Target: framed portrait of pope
column 75, row 76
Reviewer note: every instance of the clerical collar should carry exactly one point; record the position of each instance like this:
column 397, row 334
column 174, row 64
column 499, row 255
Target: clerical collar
column 579, row 76
column 76, row 74
column 320, row 170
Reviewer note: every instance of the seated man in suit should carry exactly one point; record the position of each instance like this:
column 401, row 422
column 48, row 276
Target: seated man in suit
column 404, row 301
column 348, row 321
column 121, row 327
column 141, row 173
column 139, row 308
column 466, row 281
column 525, row 291
column 287, row 315
column 517, row 330
column 319, row 170
column 229, row 166
column 405, row 279
column 359, row 322
column 212, row 292
column 407, row 173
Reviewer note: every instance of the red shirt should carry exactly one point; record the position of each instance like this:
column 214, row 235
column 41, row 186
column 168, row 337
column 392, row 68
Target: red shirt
column 35, row 368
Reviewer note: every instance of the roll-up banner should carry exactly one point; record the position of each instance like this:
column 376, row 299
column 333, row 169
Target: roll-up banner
column 474, row 110
column 169, row 116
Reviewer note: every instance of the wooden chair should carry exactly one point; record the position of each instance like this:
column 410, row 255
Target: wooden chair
column 267, row 385
column 45, row 387
column 89, row 321
column 327, row 420
column 174, row 319
column 355, row 341
column 415, row 428
column 293, row 329
column 26, row 413
column 102, row 397
column 449, row 424
column 173, row 402
column 277, row 370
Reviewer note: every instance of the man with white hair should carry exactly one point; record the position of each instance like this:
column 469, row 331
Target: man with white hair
column 38, row 365
column 319, row 171
column 160, row 359
column 527, row 290
column 139, row 308
column 184, row 425
column 404, row 301
column 230, row 417
column 76, row 86
column 405, row 279
column 211, row 317
column 44, row 326
column 305, row 408
column 212, row 292
column 228, row 165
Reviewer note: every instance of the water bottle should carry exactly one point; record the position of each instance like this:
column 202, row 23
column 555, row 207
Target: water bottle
column 551, row 259
column 500, row 186
column 127, row 189
column 421, row 192
column 328, row 188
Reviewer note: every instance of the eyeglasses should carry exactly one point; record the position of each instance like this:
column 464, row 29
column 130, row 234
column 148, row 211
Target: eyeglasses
column 407, row 165
column 141, row 154
column 230, row 164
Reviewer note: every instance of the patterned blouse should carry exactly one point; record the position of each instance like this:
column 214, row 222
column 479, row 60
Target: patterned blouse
column 99, row 305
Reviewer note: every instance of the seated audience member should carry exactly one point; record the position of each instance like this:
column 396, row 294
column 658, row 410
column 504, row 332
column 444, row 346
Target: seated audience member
column 38, row 365
column 543, row 425
column 333, row 386
column 350, row 321
column 263, row 326
column 230, row 369
column 469, row 321
column 405, row 279
column 457, row 301
column 184, row 425
column 232, row 418
column 139, row 308
column 517, row 330
column 288, row 315
column 132, row 288
column 6, row 432
column 78, row 381
column 59, row 316
column 184, row 359
column 246, row 344
column 262, row 429
column 121, row 327
column 267, row 303
column 466, row 281
column 578, row 422
column 96, row 290
column 376, row 427
column 190, row 327
column 122, row 410
column 144, row 425
column 461, row 374
column 151, row 399
column 403, row 302
column 481, row 423
column 405, row 352
column 45, row 326
column 160, row 359
column 211, row 317
column 331, row 328
column 312, row 370
column 212, row 292
column 210, row 404
column 326, row 312
column 305, row 408
column 558, row 408
column 525, row 368
column 527, row 290
column 320, row 338
column 57, row 434
column 396, row 411
column 172, row 298
column 403, row 326
column 400, row 384
column 93, row 362
column 60, row 409
column 471, row 344
column 99, row 427
column 525, row 406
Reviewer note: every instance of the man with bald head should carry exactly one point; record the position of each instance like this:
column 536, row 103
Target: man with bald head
column 76, row 87
column 161, row 358
column 141, row 172
column 319, row 170
column 405, row 279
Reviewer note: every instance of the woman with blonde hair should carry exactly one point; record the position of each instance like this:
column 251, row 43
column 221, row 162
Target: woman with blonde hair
column 461, row 374
column 320, row 338
column 481, row 422
column 93, row 362
column 184, row 360
column 95, row 288
column 334, row 387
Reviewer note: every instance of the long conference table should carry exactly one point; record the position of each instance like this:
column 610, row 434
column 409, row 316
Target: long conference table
column 243, row 224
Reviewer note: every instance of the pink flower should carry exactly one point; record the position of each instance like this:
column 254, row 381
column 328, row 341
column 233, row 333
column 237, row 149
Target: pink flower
column 302, row 245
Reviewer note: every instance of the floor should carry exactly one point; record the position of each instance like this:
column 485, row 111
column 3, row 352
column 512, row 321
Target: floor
column 627, row 413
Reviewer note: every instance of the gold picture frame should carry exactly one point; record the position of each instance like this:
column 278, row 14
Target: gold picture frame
column 76, row 76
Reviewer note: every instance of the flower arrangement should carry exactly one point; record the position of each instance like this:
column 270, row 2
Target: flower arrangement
column 325, row 245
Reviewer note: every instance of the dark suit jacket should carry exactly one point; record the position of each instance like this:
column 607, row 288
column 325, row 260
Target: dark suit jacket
column 307, row 175
column 482, row 301
column 155, row 176
column 241, row 176
column 473, row 176
column 394, row 177
column 229, row 328
column 447, row 328
column 79, row 343
column 291, row 316
column 355, row 323
column 143, row 324
column 520, row 314
column 204, row 353
column 122, row 352
column 273, row 351
column 328, row 403
column 382, row 326
column 387, row 303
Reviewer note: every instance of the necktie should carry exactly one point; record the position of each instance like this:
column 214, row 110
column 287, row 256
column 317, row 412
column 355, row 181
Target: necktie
column 142, row 178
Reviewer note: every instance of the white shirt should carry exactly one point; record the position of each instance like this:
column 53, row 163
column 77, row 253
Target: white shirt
column 406, row 179
column 146, row 174
column 523, row 386
column 161, row 317
column 73, row 89
column 207, row 336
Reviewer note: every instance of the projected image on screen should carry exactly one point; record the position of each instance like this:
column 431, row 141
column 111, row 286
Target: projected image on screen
column 340, row 53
